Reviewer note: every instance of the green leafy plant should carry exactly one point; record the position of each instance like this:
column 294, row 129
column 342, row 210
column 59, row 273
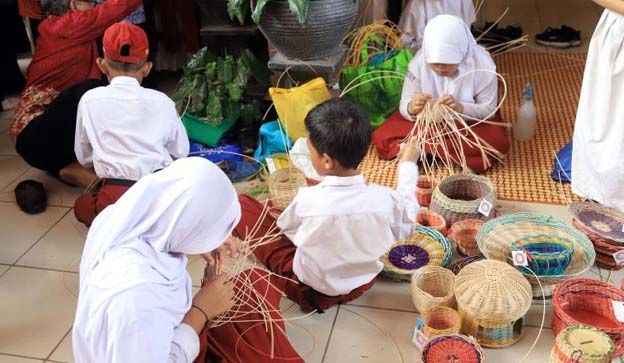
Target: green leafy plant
column 238, row 9
column 213, row 88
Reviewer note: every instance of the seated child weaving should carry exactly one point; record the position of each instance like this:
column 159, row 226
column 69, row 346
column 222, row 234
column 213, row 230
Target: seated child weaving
column 453, row 70
column 334, row 233
column 123, row 130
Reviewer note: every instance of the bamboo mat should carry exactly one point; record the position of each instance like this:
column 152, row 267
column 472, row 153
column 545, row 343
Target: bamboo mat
column 525, row 174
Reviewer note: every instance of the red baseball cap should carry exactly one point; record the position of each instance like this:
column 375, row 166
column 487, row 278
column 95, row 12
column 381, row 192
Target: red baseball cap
column 125, row 42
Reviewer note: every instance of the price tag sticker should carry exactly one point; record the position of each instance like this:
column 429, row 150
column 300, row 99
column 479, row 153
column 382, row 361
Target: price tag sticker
column 619, row 257
column 419, row 339
column 520, row 258
column 271, row 165
column 618, row 310
column 485, row 208
column 622, row 227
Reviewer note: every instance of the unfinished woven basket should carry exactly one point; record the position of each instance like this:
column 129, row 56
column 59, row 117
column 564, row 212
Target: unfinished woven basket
column 283, row 186
column 433, row 286
column 452, row 348
column 424, row 190
column 464, row 235
column 460, row 264
column 582, row 343
column 493, row 298
column 425, row 247
column 428, row 218
column 603, row 222
column 495, row 239
column 441, row 320
column 458, row 197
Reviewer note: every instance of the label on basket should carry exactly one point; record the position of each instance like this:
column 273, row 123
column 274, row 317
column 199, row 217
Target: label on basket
column 519, row 258
column 485, row 208
column 419, row 338
column 618, row 310
column 619, row 257
column 271, row 165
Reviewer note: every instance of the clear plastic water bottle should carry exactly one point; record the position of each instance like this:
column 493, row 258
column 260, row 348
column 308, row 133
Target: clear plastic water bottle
column 524, row 129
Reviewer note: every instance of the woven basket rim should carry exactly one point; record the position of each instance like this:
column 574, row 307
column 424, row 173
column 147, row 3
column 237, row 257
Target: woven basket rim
column 460, row 338
column 562, row 339
column 414, row 239
column 577, row 207
column 490, row 195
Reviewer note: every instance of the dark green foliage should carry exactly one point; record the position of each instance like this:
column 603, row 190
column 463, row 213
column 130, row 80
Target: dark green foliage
column 238, row 9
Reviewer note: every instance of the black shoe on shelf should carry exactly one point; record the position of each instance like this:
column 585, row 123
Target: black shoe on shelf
column 573, row 34
column 555, row 38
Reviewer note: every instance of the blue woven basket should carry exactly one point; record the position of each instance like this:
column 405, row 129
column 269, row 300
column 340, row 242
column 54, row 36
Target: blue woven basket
column 547, row 255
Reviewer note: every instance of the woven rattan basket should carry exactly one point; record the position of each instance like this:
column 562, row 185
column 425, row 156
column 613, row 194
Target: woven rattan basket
column 605, row 248
column 441, row 320
column 433, row 286
column 582, row 343
column 452, row 348
column 618, row 340
column 464, row 235
column 458, row 197
column 461, row 263
column 283, row 186
column 428, row 218
column 424, row 190
column 601, row 221
column 547, row 255
column 426, row 247
column 495, row 239
column 493, row 298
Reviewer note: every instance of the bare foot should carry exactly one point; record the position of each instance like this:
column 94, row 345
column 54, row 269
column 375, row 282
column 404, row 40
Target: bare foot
column 78, row 175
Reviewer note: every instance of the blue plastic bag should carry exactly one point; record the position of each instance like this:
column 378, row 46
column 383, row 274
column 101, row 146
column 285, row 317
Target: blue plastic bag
column 225, row 150
column 272, row 140
column 562, row 171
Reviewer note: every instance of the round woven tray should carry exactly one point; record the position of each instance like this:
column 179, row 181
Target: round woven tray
column 441, row 320
column 452, row 348
column 458, row 197
column 426, row 247
column 283, row 186
column 433, row 286
column 605, row 248
column 496, row 237
column 460, row 264
column 603, row 222
column 582, row 343
column 428, row 218
column 424, row 190
column 464, row 235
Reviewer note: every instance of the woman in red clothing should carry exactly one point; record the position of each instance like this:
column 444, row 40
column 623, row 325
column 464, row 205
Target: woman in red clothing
column 445, row 70
column 63, row 68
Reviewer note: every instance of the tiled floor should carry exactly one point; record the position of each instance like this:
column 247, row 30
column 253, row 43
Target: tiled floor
column 39, row 258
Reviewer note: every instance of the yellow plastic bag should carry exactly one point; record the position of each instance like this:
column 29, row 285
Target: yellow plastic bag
column 293, row 104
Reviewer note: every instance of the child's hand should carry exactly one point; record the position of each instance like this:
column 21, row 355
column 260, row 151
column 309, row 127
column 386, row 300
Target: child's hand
column 232, row 248
column 452, row 103
column 417, row 103
column 215, row 297
column 409, row 151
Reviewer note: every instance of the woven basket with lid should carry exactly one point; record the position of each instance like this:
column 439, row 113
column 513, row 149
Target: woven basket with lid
column 582, row 343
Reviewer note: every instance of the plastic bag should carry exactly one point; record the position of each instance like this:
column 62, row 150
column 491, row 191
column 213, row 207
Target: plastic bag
column 272, row 140
column 562, row 171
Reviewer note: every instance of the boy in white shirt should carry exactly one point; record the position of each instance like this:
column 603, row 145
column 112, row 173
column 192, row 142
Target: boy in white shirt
column 124, row 131
column 334, row 233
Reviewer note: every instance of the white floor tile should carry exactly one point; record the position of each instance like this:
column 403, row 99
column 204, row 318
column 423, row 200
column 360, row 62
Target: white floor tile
column 387, row 294
column 60, row 248
column 11, row 167
column 57, row 192
column 37, row 310
column 3, row 268
column 13, row 359
column 63, row 352
column 20, row 231
column 6, row 145
column 308, row 335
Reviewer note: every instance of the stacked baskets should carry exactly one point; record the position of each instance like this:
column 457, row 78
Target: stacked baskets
column 493, row 299
column 452, row 348
column 603, row 226
column 555, row 250
column 426, row 247
column 458, row 197
column 464, row 235
column 433, row 286
column 581, row 343
column 588, row 302
column 283, row 186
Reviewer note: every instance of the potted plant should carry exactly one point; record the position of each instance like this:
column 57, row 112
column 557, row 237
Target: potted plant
column 212, row 94
column 300, row 29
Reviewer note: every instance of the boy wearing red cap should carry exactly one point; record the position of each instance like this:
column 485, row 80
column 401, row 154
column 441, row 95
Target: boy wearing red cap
column 124, row 131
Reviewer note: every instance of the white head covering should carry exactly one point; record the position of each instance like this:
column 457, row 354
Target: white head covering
column 139, row 244
column 447, row 39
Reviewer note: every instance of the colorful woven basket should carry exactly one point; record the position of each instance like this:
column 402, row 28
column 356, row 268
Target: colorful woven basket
column 424, row 190
column 460, row 264
column 603, row 222
column 428, row 218
column 458, row 197
column 493, row 298
column 464, row 235
column 452, row 348
column 547, row 255
column 426, row 247
column 605, row 248
column 433, row 286
column 496, row 237
column 618, row 340
column 441, row 320
column 284, row 184
column 582, row 343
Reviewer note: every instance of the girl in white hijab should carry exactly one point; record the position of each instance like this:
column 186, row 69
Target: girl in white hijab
column 444, row 70
column 136, row 303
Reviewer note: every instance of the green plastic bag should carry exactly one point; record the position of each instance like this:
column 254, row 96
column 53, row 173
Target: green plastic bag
column 378, row 88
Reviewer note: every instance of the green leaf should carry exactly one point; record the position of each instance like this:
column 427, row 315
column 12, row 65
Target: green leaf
column 225, row 68
column 250, row 113
column 257, row 13
column 214, row 111
column 198, row 60
column 300, row 8
column 258, row 70
column 238, row 9
column 234, row 91
column 210, row 72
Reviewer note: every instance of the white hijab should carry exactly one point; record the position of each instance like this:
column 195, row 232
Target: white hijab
column 137, row 246
column 448, row 40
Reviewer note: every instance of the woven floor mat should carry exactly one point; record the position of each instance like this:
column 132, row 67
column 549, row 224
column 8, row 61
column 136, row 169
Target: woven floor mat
column 525, row 174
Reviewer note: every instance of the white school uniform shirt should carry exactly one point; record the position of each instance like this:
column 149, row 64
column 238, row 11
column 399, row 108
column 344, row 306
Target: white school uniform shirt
column 342, row 226
column 125, row 131
column 134, row 286
column 448, row 40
